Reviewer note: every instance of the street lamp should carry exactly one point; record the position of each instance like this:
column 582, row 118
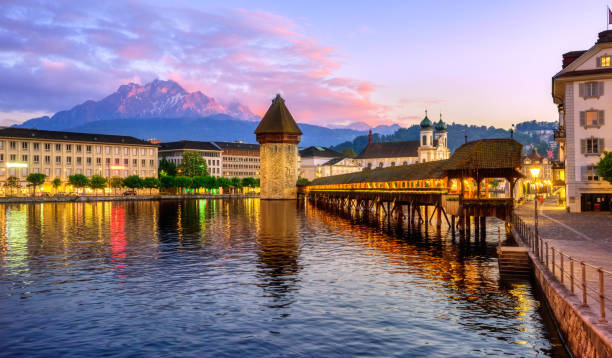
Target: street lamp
column 534, row 173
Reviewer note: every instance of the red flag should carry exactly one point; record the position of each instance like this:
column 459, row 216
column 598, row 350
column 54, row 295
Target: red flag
column 609, row 16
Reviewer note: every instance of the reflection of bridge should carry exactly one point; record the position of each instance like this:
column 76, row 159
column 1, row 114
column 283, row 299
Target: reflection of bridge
column 458, row 187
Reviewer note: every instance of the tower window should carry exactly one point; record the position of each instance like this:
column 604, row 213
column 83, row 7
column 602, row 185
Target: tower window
column 424, row 140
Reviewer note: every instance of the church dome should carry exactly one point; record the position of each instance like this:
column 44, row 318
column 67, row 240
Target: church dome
column 440, row 126
column 426, row 122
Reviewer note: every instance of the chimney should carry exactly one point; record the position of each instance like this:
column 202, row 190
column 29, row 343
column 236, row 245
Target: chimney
column 370, row 137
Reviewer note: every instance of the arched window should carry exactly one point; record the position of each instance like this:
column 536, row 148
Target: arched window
column 424, row 140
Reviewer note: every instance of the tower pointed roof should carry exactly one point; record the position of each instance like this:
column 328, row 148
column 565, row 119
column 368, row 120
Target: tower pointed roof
column 426, row 122
column 278, row 119
column 440, row 126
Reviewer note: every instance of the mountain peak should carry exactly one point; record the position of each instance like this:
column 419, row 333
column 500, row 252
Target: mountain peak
column 156, row 99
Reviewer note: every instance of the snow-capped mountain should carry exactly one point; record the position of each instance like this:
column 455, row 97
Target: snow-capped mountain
column 158, row 99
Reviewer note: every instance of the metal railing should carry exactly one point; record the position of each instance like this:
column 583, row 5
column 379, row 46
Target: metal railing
column 570, row 272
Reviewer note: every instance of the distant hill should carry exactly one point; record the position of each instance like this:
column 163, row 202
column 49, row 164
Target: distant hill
column 165, row 111
column 530, row 136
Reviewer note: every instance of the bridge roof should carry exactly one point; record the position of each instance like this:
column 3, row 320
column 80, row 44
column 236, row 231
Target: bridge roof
column 428, row 170
column 487, row 154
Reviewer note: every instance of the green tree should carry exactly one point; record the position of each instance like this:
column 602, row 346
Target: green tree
column 302, row 181
column 222, row 182
column 248, row 182
column 36, row 179
column 166, row 168
column 56, row 183
column 193, row 165
column 97, row 182
column 210, row 183
column 604, row 167
column 115, row 183
column 150, row 183
column 167, row 182
column 236, row 183
column 349, row 152
column 198, row 182
column 12, row 183
column 494, row 183
column 133, row 182
column 78, row 181
column 257, row 183
column 183, row 182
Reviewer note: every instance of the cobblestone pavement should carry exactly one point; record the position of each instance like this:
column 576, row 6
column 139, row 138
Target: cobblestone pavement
column 584, row 236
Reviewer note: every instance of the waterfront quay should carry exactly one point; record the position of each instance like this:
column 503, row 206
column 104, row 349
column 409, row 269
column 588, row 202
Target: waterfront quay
column 250, row 277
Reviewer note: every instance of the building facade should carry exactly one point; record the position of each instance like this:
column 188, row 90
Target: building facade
column 431, row 145
column 61, row 154
column 173, row 152
column 279, row 135
column 240, row 160
column 318, row 162
column 582, row 91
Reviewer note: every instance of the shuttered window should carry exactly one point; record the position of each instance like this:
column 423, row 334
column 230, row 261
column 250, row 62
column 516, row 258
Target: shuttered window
column 592, row 118
column 591, row 89
column 589, row 173
column 592, row 146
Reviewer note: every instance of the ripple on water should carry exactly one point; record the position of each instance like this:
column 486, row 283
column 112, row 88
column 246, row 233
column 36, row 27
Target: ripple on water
column 244, row 277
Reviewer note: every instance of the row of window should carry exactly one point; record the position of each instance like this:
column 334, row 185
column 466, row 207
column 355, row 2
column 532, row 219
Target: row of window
column 58, row 172
column 241, row 159
column 236, row 174
column 240, row 166
column 78, row 148
column 79, row 160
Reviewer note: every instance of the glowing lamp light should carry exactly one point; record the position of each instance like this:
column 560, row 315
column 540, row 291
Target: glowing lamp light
column 16, row 165
column 535, row 172
column 116, row 167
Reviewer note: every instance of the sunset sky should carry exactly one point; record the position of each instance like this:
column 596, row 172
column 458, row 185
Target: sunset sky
column 479, row 62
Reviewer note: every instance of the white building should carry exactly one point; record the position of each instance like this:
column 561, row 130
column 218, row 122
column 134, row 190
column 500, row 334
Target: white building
column 173, row 152
column 431, row 145
column 318, row 162
column 583, row 92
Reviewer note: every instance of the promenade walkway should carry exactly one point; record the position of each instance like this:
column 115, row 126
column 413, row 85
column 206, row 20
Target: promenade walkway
column 584, row 236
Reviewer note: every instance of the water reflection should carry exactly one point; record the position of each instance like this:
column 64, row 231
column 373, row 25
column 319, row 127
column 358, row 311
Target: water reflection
column 262, row 277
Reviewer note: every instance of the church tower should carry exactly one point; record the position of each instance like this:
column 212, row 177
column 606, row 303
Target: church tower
column 426, row 145
column 279, row 135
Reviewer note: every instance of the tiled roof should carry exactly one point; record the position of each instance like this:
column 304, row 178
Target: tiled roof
column 234, row 145
column 534, row 155
column 319, row 152
column 486, row 154
column 390, row 150
column 336, row 161
column 278, row 119
column 13, row 132
column 187, row 145
column 597, row 71
column 428, row 170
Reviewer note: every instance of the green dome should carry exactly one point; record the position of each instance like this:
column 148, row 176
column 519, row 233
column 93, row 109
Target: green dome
column 441, row 126
column 426, row 122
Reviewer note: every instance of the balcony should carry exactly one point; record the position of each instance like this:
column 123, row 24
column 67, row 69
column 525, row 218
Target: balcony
column 559, row 134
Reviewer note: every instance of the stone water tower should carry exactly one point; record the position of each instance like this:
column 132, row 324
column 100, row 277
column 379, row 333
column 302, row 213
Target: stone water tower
column 279, row 136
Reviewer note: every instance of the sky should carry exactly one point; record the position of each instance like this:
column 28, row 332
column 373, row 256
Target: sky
column 335, row 62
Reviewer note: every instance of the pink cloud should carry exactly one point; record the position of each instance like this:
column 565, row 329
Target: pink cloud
column 236, row 55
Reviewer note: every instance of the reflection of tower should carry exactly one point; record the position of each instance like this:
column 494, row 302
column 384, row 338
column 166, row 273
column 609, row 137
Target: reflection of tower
column 278, row 247
column 278, row 135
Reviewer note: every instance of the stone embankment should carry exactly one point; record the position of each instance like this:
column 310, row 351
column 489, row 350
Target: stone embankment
column 88, row 198
column 581, row 326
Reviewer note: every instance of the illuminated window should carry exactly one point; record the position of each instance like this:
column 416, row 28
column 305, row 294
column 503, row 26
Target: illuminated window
column 592, row 118
column 605, row 61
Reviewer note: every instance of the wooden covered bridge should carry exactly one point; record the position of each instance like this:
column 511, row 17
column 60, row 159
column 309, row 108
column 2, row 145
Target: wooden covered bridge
column 456, row 187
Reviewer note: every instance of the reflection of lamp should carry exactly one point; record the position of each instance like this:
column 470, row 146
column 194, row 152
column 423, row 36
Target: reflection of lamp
column 534, row 173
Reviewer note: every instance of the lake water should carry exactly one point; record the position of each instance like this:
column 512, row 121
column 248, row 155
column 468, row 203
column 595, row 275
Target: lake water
column 251, row 278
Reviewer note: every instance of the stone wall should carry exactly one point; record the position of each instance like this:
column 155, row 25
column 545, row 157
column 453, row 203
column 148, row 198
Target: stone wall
column 278, row 171
column 584, row 335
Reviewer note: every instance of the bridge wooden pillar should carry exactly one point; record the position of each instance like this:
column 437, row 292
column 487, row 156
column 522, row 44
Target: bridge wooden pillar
column 439, row 218
column 483, row 227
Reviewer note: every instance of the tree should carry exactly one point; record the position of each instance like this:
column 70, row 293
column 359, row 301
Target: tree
column 222, row 182
column 349, row 152
column 494, row 183
column 166, row 168
column 97, row 182
column 167, row 182
column 56, row 183
column 36, row 179
column 133, row 182
column 150, row 183
column 302, row 181
column 248, row 182
column 115, row 183
column 78, row 180
column 236, row 182
column 199, row 182
column 210, row 183
column 183, row 182
column 604, row 167
column 257, row 183
column 12, row 183
column 193, row 165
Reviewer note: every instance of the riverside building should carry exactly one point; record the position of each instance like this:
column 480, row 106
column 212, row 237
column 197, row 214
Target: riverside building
column 61, row 154
column 582, row 91
column 319, row 162
column 173, row 152
column 431, row 145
